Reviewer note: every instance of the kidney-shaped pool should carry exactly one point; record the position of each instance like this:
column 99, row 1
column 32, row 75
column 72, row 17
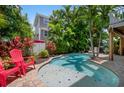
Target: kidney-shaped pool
column 75, row 70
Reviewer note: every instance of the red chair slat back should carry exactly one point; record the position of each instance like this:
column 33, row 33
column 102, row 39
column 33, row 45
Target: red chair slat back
column 16, row 55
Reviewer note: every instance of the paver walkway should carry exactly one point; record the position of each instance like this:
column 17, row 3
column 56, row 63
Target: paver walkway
column 30, row 80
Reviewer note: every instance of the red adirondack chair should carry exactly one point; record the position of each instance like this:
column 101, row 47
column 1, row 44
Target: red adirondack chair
column 5, row 73
column 16, row 56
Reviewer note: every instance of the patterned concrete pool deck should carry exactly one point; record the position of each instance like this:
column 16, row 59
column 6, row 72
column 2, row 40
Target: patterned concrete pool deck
column 32, row 80
column 56, row 76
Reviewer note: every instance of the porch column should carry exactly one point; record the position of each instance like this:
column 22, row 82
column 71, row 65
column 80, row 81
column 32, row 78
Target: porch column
column 121, row 45
column 110, row 45
column 39, row 34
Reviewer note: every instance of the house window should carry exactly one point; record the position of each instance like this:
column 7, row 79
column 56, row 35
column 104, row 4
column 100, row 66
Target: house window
column 41, row 21
column 46, row 33
column 42, row 32
column 45, row 21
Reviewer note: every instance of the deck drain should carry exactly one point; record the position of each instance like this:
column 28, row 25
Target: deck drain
column 69, row 79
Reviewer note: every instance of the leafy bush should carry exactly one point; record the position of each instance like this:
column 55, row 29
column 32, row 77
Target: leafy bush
column 116, row 41
column 106, row 50
column 51, row 47
column 28, row 43
column 44, row 54
column 116, row 49
column 19, row 43
column 13, row 22
column 3, row 49
column 23, row 44
column 7, row 63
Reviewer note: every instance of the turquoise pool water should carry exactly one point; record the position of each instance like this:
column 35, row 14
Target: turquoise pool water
column 95, row 75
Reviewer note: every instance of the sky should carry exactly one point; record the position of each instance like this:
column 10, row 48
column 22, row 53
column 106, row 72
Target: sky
column 32, row 10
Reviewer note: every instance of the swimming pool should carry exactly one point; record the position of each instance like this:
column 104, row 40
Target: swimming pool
column 75, row 70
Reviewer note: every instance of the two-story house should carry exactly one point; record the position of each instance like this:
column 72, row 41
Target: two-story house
column 41, row 32
column 41, row 27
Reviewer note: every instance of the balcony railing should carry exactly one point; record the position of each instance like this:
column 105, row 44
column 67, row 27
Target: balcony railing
column 116, row 16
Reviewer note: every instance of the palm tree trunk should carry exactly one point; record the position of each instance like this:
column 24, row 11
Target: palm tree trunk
column 91, row 37
column 98, row 49
column 90, row 31
column 100, row 37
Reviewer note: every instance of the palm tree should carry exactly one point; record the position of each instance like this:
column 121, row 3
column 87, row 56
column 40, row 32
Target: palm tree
column 104, row 21
column 71, row 29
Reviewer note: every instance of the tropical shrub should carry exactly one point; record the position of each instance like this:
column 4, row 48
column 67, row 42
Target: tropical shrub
column 51, row 47
column 19, row 43
column 116, row 41
column 16, row 43
column 7, row 63
column 28, row 43
column 43, row 54
column 77, row 28
column 106, row 50
column 13, row 22
column 3, row 49
column 68, row 30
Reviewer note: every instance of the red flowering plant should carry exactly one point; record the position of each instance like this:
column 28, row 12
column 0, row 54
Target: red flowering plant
column 6, row 46
column 16, row 43
column 4, row 54
column 51, row 47
column 28, row 43
column 3, row 49
column 23, row 44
